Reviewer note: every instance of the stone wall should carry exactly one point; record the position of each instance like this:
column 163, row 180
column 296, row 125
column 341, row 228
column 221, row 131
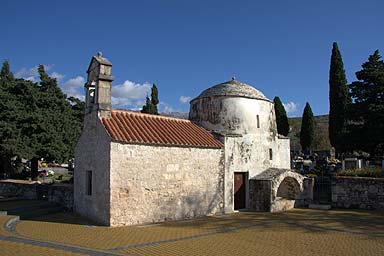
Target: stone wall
column 61, row 194
column 92, row 154
column 55, row 193
column 282, row 153
column 9, row 189
column 249, row 153
column 260, row 195
column 358, row 192
column 158, row 183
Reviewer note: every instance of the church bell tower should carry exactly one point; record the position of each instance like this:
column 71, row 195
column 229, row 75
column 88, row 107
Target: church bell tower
column 98, row 86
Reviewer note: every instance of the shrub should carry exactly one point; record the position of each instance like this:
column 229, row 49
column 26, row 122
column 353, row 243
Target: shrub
column 374, row 172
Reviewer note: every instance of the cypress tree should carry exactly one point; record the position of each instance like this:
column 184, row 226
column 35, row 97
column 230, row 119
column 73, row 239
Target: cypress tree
column 338, row 100
column 306, row 132
column 281, row 117
column 154, row 98
column 150, row 106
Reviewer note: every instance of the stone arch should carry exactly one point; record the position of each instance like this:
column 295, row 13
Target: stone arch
column 289, row 188
column 278, row 189
column 287, row 191
column 290, row 179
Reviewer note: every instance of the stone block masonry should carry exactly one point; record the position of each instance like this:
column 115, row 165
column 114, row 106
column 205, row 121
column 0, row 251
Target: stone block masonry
column 17, row 189
column 358, row 193
column 61, row 194
column 158, row 183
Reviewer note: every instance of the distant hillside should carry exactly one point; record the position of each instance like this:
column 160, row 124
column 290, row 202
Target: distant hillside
column 321, row 140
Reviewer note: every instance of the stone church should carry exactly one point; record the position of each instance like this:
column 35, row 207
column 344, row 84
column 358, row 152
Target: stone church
column 133, row 168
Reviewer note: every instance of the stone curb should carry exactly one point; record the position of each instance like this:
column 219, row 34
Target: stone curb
column 10, row 225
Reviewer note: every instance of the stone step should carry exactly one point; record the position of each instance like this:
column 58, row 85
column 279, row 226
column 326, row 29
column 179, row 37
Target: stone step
column 320, row 206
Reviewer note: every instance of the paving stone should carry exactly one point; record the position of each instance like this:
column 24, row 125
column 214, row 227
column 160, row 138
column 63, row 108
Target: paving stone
column 296, row 232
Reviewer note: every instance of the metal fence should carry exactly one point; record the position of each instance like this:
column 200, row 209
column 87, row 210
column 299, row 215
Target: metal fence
column 322, row 190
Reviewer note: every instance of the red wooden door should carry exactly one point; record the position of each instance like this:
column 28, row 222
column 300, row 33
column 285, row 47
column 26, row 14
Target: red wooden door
column 239, row 190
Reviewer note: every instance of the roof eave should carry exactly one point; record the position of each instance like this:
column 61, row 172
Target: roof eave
column 165, row 144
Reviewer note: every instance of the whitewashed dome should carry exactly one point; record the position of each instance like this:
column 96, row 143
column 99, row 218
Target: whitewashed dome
column 233, row 88
column 233, row 107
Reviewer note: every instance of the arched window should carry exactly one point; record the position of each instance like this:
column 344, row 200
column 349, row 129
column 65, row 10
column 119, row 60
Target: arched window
column 92, row 95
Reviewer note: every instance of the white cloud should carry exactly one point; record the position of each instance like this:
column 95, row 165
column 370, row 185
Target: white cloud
column 58, row 76
column 32, row 74
column 184, row 99
column 24, row 72
column 164, row 107
column 30, row 78
column 130, row 94
column 74, row 87
column 28, row 74
column 290, row 108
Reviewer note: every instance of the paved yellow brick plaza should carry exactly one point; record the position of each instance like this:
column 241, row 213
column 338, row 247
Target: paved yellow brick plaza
column 297, row 232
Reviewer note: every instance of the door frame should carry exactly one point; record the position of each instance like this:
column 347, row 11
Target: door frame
column 246, row 183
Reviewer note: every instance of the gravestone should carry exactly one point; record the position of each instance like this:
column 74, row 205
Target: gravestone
column 351, row 163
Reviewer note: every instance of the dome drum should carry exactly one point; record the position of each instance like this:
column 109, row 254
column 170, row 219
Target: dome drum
column 232, row 108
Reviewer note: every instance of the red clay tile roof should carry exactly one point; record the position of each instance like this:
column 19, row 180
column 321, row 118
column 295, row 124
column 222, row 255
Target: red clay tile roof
column 133, row 127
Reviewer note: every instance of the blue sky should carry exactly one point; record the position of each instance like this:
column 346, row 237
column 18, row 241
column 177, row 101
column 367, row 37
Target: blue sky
column 280, row 47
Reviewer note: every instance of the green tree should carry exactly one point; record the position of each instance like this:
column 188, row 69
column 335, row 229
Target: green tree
column 281, row 117
column 60, row 124
column 19, row 118
column 306, row 132
column 37, row 120
column 5, row 72
column 147, row 107
column 367, row 110
column 150, row 106
column 78, row 107
column 338, row 101
column 154, row 95
column 8, row 133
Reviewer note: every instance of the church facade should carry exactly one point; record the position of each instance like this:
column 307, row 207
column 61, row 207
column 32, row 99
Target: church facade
column 133, row 168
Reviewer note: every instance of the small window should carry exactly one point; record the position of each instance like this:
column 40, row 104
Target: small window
column 258, row 121
column 88, row 180
column 270, row 154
